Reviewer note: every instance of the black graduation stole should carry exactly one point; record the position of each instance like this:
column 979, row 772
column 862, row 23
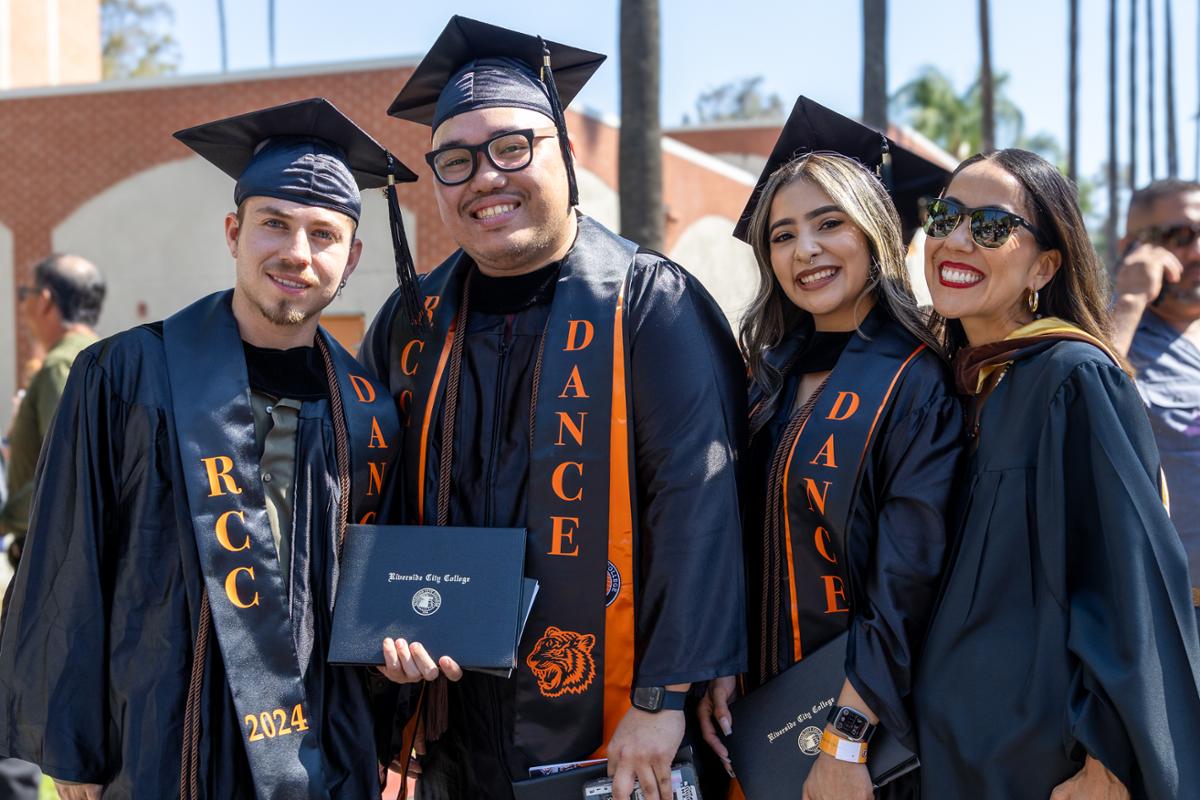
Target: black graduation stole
column 246, row 586
column 575, row 663
column 822, row 475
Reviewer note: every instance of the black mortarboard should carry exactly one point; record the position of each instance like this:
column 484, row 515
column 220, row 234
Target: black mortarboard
column 308, row 152
column 475, row 65
column 812, row 127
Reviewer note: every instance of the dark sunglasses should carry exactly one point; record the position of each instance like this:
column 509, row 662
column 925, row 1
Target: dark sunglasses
column 990, row 227
column 1174, row 236
column 26, row 291
column 510, row 151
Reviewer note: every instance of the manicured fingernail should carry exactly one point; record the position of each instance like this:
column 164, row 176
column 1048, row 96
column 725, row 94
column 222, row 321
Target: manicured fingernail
column 726, row 726
column 729, row 769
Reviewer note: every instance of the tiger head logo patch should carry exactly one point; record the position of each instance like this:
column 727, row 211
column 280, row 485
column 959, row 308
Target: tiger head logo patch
column 562, row 662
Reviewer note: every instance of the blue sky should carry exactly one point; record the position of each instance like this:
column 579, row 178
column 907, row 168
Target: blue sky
column 810, row 47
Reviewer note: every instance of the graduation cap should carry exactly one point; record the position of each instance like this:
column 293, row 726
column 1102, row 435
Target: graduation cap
column 309, row 152
column 475, row 65
column 812, row 127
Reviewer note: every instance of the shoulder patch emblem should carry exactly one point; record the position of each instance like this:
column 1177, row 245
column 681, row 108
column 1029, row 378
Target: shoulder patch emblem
column 562, row 662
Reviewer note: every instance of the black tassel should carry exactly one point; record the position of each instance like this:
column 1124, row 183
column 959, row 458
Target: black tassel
column 885, row 165
column 406, row 271
column 560, row 121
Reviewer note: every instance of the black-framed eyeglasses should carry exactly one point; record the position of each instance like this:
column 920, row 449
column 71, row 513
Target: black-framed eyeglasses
column 990, row 227
column 510, row 151
column 25, row 291
column 1178, row 236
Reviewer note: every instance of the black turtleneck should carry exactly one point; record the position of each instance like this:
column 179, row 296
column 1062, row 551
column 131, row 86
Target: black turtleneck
column 297, row 373
column 512, row 294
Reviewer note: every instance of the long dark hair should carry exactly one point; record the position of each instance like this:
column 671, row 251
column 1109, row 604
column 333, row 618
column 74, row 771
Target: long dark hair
column 1078, row 292
column 858, row 193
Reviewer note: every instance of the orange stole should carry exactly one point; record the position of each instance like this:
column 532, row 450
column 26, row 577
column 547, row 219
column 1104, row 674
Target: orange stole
column 618, row 617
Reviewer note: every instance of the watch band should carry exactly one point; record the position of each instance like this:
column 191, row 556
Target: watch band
column 843, row 749
column 653, row 699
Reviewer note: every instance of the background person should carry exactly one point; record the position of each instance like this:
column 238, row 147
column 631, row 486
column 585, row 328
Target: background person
column 61, row 308
column 1063, row 656
column 1156, row 324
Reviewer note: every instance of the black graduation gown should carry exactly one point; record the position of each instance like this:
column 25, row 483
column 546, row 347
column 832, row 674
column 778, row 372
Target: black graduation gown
column 1064, row 625
column 97, row 650
column 686, row 379
column 897, row 538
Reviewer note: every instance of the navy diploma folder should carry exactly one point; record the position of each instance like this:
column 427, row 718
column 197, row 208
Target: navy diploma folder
column 777, row 729
column 460, row 592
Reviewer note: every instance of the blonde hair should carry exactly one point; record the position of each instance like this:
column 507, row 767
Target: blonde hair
column 861, row 196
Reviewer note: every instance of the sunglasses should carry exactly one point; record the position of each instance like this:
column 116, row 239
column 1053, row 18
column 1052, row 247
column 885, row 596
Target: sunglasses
column 990, row 227
column 510, row 151
column 1173, row 236
column 26, row 291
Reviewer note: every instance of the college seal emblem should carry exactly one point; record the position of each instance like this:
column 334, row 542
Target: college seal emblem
column 810, row 740
column 612, row 585
column 562, row 662
column 426, row 601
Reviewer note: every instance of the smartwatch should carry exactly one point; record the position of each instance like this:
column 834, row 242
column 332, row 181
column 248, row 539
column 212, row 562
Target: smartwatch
column 657, row 698
column 851, row 724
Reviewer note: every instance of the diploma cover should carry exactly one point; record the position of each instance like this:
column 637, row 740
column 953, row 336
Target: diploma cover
column 777, row 729
column 460, row 592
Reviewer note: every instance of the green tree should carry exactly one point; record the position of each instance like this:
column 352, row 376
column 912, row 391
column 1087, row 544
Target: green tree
column 742, row 99
column 133, row 42
column 931, row 104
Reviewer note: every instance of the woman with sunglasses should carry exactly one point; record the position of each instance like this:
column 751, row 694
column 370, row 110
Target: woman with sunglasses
column 1063, row 657
column 856, row 439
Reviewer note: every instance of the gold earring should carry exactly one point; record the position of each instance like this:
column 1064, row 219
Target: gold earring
column 1031, row 301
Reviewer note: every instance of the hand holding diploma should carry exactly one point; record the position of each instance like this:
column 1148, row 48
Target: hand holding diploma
column 409, row 663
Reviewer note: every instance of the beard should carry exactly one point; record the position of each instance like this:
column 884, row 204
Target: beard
column 282, row 313
column 1186, row 293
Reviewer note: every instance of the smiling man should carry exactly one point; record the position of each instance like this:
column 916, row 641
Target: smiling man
column 566, row 381
column 169, row 624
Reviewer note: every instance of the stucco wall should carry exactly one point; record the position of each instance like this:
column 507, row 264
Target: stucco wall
column 158, row 237
column 724, row 265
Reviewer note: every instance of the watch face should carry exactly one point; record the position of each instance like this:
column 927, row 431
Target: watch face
column 648, row 698
column 851, row 723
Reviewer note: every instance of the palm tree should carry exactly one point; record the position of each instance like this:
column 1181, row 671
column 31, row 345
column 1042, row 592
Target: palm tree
column 1073, row 91
column 1133, row 105
column 271, row 30
column 1150, row 84
column 1172, row 132
column 874, row 86
column 930, row 104
column 640, row 147
column 1110, row 223
column 221, row 30
column 987, row 92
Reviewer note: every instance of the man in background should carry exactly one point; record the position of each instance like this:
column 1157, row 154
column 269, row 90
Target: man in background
column 61, row 309
column 1156, row 318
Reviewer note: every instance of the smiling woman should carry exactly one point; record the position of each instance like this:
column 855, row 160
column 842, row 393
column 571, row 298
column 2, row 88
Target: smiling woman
column 843, row 518
column 1064, row 646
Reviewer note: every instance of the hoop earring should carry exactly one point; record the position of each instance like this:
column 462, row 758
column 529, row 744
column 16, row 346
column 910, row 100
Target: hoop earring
column 1031, row 301
column 341, row 286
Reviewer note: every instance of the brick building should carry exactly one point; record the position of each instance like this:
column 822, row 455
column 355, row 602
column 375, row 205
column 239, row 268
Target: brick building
column 92, row 169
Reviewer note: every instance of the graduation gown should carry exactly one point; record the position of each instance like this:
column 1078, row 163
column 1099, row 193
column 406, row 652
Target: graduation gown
column 1064, row 626
column 686, row 410
column 98, row 649
column 894, row 539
